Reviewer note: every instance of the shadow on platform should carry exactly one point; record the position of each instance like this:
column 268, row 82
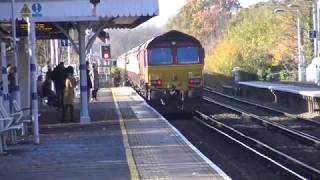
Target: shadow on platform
column 101, row 110
column 71, row 150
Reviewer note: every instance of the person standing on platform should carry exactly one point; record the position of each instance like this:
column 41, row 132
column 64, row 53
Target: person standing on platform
column 58, row 77
column 47, row 86
column 48, row 71
column 89, row 81
column 95, row 81
column 68, row 93
column 11, row 83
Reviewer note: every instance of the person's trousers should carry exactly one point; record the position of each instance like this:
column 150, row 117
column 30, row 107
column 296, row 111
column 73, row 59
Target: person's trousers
column 94, row 93
column 64, row 109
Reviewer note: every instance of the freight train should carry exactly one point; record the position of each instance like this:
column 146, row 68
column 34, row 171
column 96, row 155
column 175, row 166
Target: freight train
column 167, row 67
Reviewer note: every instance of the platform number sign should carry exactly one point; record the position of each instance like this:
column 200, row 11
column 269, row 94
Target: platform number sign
column 65, row 42
column 312, row 34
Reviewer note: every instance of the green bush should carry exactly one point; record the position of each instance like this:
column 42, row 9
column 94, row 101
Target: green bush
column 116, row 75
column 264, row 74
column 284, row 75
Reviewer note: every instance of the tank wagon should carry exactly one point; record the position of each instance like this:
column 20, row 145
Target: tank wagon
column 167, row 67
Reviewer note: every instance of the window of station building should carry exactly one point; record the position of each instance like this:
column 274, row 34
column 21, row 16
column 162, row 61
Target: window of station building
column 160, row 56
column 188, row 55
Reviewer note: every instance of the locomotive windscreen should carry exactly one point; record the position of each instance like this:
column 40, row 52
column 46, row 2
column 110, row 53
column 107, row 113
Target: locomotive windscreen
column 161, row 56
column 188, row 55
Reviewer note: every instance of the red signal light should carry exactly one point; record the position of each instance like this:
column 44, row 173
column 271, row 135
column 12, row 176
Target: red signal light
column 156, row 82
column 159, row 82
column 106, row 56
column 194, row 81
column 105, row 52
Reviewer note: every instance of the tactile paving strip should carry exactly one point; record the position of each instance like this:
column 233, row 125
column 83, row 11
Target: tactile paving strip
column 158, row 150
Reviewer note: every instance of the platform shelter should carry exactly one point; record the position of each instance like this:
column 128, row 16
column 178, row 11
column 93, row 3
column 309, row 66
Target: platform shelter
column 29, row 20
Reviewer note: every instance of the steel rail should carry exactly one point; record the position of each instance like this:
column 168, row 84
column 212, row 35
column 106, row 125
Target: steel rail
column 298, row 169
column 302, row 136
column 208, row 89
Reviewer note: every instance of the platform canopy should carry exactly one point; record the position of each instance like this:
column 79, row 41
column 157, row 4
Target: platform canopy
column 107, row 13
column 121, row 12
column 53, row 19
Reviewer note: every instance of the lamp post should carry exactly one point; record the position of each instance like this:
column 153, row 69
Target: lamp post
column 301, row 60
column 301, row 63
column 315, row 30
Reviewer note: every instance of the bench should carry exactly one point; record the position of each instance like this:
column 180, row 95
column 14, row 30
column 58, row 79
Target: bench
column 9, row 123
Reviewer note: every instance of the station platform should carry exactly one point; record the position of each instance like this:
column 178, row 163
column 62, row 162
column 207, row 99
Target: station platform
column 294, row 96
column 296, row 88
column 127, row 139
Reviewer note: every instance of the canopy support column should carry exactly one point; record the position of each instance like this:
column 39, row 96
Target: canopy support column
column 5, row 96
column 84, row 111
column 15, row 56
column 34, row 93
column 5, row 92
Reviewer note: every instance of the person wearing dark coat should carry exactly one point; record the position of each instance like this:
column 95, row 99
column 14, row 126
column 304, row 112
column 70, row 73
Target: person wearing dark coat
column 89, row 82
column 58, row 77
column 95, row 81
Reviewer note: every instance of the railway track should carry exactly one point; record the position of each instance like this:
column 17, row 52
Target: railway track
column 295, row 155
column 307, row 130
column 287, row 153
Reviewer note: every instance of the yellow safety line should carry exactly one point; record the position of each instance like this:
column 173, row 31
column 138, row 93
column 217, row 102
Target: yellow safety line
column 131, row 162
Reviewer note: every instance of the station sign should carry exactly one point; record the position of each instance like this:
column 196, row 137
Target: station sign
column 65, row 43
column 36, row 10
column 312, row 34
column 25, row 11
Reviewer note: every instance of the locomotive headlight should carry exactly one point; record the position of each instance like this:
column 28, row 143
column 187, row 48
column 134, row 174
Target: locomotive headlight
column 173, row 43
column 194, row 81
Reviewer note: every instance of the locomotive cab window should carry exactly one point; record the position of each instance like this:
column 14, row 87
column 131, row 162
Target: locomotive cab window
column 188, row 55
column 160, row 56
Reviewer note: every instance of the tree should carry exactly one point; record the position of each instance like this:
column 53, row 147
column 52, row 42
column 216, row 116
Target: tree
column 43, row 52
column 256, row 39
column 267, row 40
column 124, row 40
column 204, row 19
column 226, row 56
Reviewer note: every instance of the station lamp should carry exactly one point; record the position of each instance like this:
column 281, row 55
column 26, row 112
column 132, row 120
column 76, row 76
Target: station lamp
column 104, row 37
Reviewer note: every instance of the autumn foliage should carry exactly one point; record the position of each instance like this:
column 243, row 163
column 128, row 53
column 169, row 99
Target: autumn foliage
column 256, row 39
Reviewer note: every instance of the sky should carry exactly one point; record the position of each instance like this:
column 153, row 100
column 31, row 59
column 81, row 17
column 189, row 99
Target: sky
column 169, row 8
column 246, row 3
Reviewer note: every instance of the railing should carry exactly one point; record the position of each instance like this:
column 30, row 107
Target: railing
column 10, row 122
